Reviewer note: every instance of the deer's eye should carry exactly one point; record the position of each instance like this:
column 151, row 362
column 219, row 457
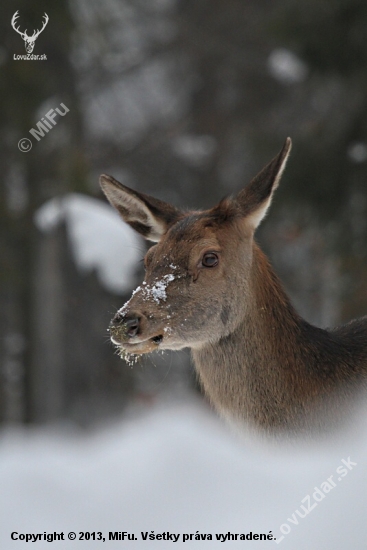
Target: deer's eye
column 210, row 259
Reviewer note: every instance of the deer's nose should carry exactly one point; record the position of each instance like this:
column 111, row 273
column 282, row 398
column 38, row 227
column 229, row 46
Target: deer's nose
column 131, row 323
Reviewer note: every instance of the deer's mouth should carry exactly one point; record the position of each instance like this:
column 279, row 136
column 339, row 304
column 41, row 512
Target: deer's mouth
column 140, row 347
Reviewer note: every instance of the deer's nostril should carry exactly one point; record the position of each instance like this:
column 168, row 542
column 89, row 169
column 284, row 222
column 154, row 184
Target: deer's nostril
column 129, row 325
column 132, row 326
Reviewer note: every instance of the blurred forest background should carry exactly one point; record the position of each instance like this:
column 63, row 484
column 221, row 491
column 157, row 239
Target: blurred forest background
column 185, row 100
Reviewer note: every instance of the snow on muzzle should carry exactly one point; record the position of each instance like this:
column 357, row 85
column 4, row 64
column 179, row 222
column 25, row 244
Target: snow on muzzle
column 132, row 329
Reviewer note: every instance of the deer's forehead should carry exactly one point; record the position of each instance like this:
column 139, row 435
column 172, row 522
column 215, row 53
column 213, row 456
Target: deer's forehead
column 186, row 239
column 204, row 229
column 194, row 231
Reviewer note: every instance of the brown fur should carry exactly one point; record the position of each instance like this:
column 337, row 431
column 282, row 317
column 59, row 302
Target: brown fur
column 257, row 359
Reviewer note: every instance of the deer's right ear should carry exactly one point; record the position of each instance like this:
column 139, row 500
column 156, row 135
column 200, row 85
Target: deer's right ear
column 148, row 216
column 255, row 199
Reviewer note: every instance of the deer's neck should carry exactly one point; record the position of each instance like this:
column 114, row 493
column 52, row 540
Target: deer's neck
column 267, row 371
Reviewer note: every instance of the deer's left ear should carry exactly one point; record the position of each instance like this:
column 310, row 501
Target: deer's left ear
column 148, row 216
column 255, row 199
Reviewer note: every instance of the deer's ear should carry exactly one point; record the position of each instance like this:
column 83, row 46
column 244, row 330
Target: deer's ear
column 148, row 216
column 255, row 199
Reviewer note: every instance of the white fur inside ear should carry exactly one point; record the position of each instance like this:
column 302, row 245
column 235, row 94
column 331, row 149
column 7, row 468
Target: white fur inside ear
column 132, row 209
column 256, row 217
column 139, row 212
column 282, row 166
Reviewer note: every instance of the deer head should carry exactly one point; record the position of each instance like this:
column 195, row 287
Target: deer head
column 196, row 286
column 28, row 40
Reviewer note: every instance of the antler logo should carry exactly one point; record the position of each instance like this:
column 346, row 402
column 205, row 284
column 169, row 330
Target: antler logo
column 28, row 40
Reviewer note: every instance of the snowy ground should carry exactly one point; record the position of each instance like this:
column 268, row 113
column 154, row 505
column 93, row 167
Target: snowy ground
column 179, row 470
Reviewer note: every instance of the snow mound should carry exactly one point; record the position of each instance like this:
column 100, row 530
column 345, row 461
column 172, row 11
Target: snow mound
column 100, row 240
column 179, row 471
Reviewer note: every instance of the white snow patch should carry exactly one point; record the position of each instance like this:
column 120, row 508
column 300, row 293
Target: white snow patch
column 286, row 66
column 99, row 239
column 158, row 290
column 179, row 471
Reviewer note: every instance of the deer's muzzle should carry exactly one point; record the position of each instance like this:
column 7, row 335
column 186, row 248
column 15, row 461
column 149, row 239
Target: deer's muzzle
column 129, row 331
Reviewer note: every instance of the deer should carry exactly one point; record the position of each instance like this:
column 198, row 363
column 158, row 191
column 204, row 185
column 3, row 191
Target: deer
column 29, row 41
column 209, row 287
